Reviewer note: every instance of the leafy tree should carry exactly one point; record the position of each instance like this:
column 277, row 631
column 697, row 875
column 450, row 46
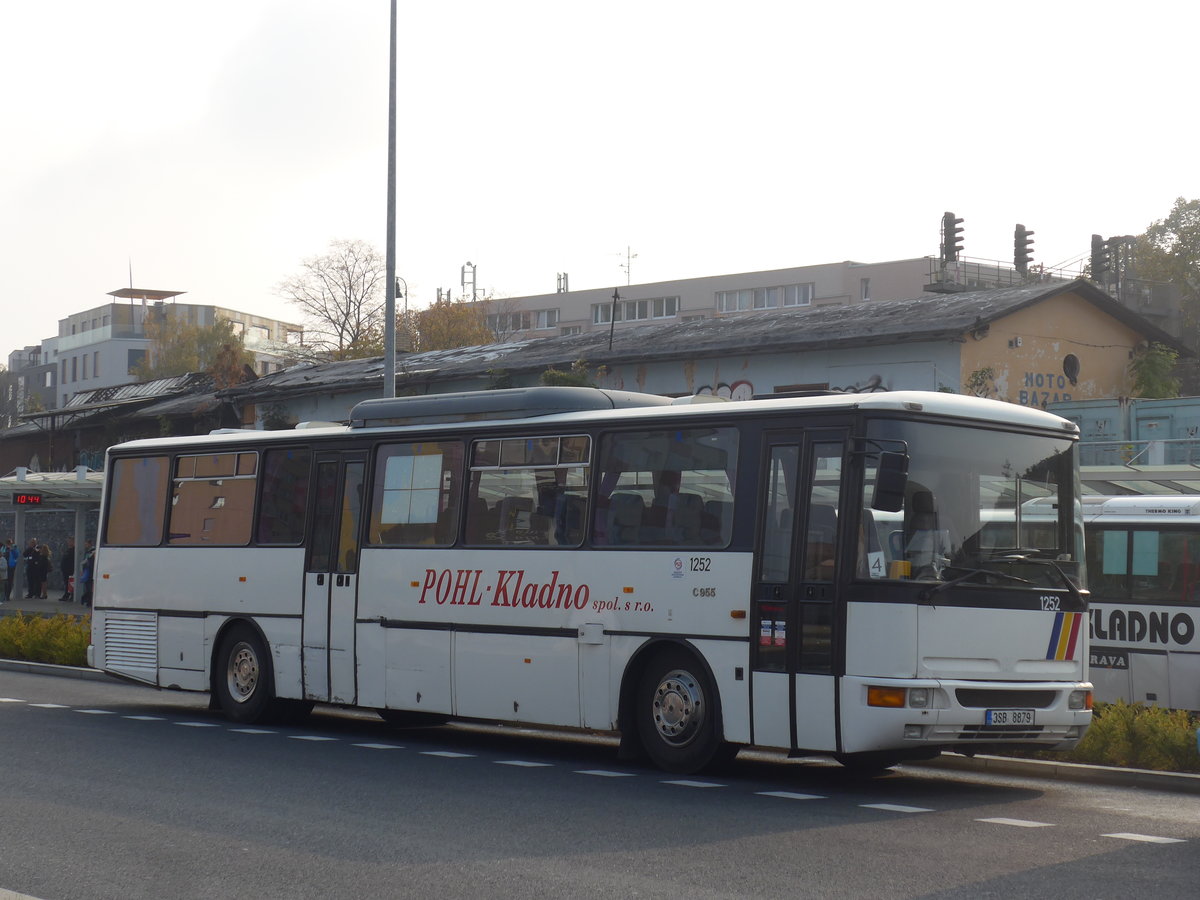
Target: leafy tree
column 1169, row 251
column 342, row 297
column 1151, row 368
column 178, row 347
column 452, row 323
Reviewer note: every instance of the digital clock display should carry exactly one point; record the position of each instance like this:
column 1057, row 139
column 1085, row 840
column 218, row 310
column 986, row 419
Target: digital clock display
column 26, row 498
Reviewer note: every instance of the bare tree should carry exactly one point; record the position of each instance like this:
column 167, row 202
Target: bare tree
column 341, row 295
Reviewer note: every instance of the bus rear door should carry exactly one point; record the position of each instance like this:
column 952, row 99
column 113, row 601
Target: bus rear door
column 331, row 573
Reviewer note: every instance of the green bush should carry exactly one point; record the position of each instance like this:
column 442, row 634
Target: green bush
column 1140, row 737
column 1137, row 737
column 60, row 639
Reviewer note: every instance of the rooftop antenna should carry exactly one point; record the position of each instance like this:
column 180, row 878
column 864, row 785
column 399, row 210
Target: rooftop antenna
column 628, row 264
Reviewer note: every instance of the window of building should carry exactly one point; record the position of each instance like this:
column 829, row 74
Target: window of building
column 636, row 310
column 546, row 318
column 62, row 378
column 776, row 297
column 83, row 367
column 509, row 323
column 571, row 329
column 49, row 375
column 133, row 359
column 95, row 363
column 74, row 368
column 864, row 285
column 417, row 491
column 529, row 491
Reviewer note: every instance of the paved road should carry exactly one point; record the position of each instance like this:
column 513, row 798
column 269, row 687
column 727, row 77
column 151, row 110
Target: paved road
column 118, row 791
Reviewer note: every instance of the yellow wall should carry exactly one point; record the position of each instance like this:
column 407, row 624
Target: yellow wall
column 1026, row 350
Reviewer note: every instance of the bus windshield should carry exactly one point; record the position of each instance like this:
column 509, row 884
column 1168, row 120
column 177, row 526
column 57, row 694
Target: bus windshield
column 986, row 507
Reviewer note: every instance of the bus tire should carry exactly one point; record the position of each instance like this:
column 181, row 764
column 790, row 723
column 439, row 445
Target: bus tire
column 677, row 714
column 243, row 678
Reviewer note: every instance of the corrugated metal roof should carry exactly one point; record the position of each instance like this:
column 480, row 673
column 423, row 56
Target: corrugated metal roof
column 930, row 317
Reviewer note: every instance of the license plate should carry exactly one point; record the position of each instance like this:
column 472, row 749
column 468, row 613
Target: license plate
column 1009, row 717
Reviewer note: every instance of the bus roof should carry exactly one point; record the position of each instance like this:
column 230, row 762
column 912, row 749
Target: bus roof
column 475, row 408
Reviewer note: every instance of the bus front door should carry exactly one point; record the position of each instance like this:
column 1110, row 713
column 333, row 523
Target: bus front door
column 331, row 572
column 793, row 625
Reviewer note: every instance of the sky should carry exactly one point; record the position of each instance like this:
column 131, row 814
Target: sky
column 212, row 147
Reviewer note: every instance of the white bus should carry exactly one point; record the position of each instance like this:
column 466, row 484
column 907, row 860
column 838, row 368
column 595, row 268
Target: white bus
column 1143, row 556
column 801, row 573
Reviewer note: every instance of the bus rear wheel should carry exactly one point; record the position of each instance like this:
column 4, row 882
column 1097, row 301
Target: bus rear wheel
column 676, row 714
column 243, row 678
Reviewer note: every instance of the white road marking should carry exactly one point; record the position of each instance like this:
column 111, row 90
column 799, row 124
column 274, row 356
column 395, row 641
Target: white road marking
column 198, row 724
column 253, row 731
column 604, row 773
column 1145, row 838
column 448, row 754
column 10, row 700
column 48, row 705
column 95, row 712
column 145, row 718
column 380, row 746
column 895, row 807
column 695, row 784
column 789, row 795
column 311, row 737
column 1019, row 823
column 521, row 762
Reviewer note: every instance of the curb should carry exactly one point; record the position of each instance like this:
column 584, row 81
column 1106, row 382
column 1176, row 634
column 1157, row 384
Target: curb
column 82, row 673
column 1065, row 771
column 993, row 765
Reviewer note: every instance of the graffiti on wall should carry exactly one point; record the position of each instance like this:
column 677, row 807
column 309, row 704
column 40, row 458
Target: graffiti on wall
column 873, row 385
column 739, row 390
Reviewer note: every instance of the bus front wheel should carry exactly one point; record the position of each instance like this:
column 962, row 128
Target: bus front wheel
column 676, row 714
column 243, row 678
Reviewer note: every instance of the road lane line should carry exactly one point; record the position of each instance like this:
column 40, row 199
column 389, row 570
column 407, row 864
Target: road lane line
column 254, row 731
column 310, row 737
column 1019, row 823
column 197, row 724
column 1145, row 838
column 96, row 712
column 695, row 784
column 603, row 773
column 145, row 718
column 447, row 754
column 381, row 746
column 790, row 795
column 895, row 807
column 521, row 762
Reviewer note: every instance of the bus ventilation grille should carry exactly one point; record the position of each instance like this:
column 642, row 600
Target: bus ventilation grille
column 131, row 643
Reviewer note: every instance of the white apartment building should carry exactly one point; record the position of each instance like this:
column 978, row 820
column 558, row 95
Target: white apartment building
column 99, row 347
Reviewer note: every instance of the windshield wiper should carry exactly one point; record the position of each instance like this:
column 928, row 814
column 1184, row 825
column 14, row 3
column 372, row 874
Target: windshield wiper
column 1021, row 556
column 929, row 592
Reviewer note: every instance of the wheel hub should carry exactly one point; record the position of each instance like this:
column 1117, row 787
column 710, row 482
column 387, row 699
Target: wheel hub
column 678, row 707
column 243, row 673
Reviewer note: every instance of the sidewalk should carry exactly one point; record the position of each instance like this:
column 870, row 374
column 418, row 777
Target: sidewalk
column 49, row 607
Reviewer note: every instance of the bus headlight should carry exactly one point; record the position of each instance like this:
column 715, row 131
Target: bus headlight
column 1080, row 700
column 918, row 698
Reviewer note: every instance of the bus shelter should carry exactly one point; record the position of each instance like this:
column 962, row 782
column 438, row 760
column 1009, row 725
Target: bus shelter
column 24, row 493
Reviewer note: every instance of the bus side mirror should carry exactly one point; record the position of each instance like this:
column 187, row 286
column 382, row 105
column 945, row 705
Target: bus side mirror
column 890, row 479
